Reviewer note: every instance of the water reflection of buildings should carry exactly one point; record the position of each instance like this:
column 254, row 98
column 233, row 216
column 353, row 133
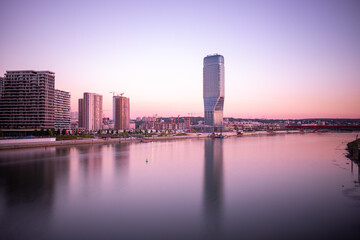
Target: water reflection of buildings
column 34, row 181
column 27, row 189
column 213, row 187
column 95, row 162
column 96, row 169
column 91, row 159
column 121, row 157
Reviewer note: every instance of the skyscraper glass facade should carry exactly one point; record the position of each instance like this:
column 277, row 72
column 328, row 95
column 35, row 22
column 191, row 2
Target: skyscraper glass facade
column 213, row 89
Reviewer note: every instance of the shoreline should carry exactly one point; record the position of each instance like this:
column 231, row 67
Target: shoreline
column 8, row 146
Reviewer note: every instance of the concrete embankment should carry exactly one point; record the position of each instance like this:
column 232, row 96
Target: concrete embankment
column 50, row 142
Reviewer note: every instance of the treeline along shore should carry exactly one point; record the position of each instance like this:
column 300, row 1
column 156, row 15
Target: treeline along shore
column 106, row 139
column 353, row 149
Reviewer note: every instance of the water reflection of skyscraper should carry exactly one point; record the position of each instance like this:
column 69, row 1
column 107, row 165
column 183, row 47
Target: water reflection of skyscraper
column 213, row 187
column 122, row 157
column 91, row 161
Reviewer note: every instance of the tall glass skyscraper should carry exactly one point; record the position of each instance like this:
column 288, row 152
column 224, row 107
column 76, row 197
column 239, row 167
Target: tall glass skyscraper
column 214, row 89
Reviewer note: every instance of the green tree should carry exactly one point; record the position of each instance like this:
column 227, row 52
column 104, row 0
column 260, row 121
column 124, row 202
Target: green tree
column 63, row 131
column 58, row 132
column 1, row 133
column 42, row 132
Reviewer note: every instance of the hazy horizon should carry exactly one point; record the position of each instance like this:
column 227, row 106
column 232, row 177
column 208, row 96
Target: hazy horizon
column 283, row 59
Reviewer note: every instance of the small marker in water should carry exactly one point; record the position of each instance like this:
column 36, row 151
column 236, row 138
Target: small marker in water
column 147, row 160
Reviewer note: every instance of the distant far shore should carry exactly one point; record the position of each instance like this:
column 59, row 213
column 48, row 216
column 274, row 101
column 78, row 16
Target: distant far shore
column 50, row 142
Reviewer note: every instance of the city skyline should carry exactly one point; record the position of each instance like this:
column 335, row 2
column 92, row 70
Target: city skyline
column 285, row 59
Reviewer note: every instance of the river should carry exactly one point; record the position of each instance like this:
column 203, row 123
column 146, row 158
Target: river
column 290, row 186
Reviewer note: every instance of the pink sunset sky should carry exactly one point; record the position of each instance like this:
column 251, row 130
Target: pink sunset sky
column 283, row 58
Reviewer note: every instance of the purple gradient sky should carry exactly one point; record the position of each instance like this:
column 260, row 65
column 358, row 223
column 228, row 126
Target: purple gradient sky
column 283, row 59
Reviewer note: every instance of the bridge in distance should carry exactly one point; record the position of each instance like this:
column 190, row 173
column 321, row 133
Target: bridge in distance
column 318, row 127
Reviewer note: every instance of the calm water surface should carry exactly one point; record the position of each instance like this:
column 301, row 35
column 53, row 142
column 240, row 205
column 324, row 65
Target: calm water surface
column 273, row 187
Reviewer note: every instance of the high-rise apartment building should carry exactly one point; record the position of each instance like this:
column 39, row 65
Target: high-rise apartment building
column 74, row 115
column 62, row 109
column 91, row 111
column 213, row 89
column 81, row 113
column 121, row 112
column 1, row 86
column 27, row 100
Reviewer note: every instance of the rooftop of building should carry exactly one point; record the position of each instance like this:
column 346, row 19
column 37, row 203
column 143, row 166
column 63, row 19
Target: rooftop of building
column 62, row 91
column 29, row 71
column 211, row 59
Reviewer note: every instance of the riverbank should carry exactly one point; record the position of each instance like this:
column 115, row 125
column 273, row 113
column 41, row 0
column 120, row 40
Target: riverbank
column 52, row 143
column 353, row 149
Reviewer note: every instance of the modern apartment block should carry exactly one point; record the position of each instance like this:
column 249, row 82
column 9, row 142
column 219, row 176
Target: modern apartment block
column 62, row 109
column 81, row 123
column 121, row 112
column 74, row 115
column 213, row 89
column 1, row 86
column 90, row 111
column 27, row 100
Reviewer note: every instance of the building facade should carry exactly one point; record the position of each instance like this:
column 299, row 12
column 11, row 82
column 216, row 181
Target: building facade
column 121, row 112
column 27, row 100
column 1, row 86
column 62, row 109
column 213, row 89
column 81, row 124
column 91, row 111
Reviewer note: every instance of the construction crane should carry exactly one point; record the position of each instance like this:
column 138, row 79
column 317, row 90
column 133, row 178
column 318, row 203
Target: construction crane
column 117, row 94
